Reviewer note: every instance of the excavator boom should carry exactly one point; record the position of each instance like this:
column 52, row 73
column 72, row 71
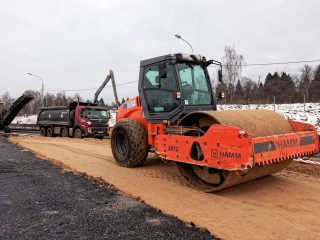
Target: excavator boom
column 110, row 76
column 8, row 116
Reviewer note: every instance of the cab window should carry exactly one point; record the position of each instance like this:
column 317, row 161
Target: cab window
column 159, row 92
column 195, row 88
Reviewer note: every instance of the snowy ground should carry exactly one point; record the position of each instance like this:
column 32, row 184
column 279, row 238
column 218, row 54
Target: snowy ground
column 32, row 119
column 310, row 113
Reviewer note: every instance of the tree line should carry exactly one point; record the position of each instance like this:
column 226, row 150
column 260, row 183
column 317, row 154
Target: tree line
column 49, row 100
column 278, row 87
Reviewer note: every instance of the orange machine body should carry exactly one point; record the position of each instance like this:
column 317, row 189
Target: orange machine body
column 224, row 147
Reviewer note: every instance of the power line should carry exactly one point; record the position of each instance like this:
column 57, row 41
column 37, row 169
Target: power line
column 241, row 65
column 86, row 89
column 274, row 63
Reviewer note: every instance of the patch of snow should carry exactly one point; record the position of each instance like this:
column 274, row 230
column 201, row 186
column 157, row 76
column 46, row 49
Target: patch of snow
column 113, row 116
column 31, row 119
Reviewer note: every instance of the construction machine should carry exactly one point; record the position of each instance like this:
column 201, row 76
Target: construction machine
column 78, row 119
column 175, row 117
column 109, row 76
column 7, row 115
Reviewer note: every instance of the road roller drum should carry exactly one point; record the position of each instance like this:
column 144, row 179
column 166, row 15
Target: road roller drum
column 258, row 124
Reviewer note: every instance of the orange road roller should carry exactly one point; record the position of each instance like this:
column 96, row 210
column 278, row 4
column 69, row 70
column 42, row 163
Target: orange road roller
column 175, row 118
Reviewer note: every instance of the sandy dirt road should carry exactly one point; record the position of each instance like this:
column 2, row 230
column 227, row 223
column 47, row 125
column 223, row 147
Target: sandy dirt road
column 285, row 205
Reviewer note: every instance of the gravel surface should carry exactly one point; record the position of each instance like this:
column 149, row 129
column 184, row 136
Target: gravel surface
column 39, row 200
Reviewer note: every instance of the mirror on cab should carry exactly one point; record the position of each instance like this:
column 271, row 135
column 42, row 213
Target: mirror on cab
column 220, row 75
column 82, row 113
column 222, row 95
column 162, row 70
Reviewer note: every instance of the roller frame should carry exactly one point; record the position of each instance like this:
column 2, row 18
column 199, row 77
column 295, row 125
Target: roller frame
column 230, row 148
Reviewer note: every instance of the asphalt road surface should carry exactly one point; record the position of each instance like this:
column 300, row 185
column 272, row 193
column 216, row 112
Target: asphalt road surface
column 39, row 200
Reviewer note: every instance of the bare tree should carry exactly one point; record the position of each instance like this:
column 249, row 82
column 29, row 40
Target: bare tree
column 305, row 81
column 60, row 99
column 33, row 106
column 7, row 100
column 248, row 89
column 233, row 63
column 77, row 97
column 49, row 99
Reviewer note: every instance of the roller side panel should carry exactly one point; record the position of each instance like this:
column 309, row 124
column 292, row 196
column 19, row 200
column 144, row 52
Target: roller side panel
column 231, row 149
column 223, row 147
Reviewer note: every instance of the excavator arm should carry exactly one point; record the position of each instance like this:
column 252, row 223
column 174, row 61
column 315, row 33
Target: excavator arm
column 110, row 76
column 14, row 109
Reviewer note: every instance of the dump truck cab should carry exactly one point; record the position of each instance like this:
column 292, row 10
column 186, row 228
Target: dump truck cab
column 175, row 84
column 91, row 119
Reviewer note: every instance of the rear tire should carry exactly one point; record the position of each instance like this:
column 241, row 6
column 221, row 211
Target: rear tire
column 64, row 132
column 43, row 131
column 49, row 132
column 77, row 133
column 129, row 143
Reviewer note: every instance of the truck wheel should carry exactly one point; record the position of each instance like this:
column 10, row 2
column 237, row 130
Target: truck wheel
column 43, row 131
column 49, row 132
column 64, row 132
column 77, row 133
column 129, row 143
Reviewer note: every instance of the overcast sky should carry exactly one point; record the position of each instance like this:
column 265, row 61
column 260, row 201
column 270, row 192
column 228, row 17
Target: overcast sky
column 73, row 44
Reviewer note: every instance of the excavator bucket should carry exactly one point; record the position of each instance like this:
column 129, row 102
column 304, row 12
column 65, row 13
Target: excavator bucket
column 236, row 146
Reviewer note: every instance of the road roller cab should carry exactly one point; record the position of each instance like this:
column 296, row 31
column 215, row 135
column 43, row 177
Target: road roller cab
column 175, row 84
column 175, row 117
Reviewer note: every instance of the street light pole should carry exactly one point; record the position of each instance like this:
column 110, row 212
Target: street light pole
column 179, row 37
column 42, row 88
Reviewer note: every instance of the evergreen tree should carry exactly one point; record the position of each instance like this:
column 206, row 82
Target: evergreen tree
column 238, row 93
column 101, row 102
column 269, row 78
column 260, row 85
column 317, row 74
column 287, row 88
column 276, row 76
column 315, row 86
